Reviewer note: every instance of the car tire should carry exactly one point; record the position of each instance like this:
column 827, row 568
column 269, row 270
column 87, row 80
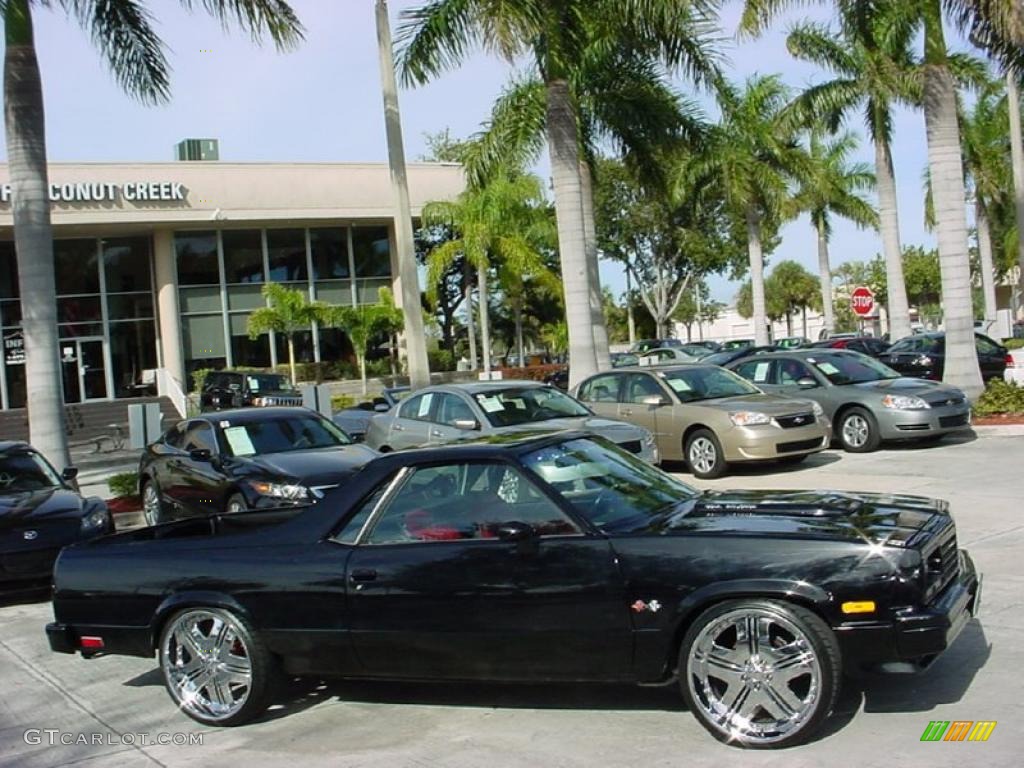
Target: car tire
column 235, row 681
column 704, row 455
column 737, row 693
column 858, row 431
column 236, row 503
column 152, row 504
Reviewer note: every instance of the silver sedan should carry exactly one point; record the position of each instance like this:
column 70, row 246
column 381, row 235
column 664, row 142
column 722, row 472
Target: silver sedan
column 446, row 413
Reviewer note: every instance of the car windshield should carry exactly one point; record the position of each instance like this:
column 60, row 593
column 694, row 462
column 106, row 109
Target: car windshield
column 290, row 433
column 917, row 344
column 707, row 383
column 524, row 405
column 851, row 368
column 615, row 491
column 267, row 382
column 22, row 470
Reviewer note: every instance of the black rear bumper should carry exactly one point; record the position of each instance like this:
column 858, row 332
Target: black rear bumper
column 61, row 639
column 914, row 638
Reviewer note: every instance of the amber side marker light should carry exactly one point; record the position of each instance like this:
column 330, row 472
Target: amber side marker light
column 859, row 606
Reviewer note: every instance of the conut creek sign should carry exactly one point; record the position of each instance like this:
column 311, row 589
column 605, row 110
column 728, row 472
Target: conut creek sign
column 109, row 192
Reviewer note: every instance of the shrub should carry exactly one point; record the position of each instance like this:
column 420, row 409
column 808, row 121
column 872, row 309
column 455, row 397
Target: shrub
column 124, row 484
column 441, row 360
column 1014, row 343
column 341, row 402
column 198, row 377
column 1000, row 397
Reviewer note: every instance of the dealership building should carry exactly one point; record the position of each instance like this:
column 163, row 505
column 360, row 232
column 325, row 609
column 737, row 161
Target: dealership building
column 159, row 265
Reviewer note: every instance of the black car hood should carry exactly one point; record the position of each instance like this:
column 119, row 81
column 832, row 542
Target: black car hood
column 318, row 466
column 874, row 518
column 36, row 505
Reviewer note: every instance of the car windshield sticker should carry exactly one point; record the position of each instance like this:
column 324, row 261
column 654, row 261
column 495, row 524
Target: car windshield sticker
column 680, row 385
column 761, row 372
column 224, row 424
column 580, row 471
column 239, row 440
column 827, row 368
column 254, row 383
column 491, row 404
column 424, row 408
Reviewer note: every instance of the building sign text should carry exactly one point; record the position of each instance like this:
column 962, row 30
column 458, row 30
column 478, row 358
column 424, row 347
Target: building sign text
column 108, row 192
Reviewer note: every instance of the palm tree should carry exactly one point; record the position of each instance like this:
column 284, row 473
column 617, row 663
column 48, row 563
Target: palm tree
column 1017, row 149
column 751, row 156
column 503, row 220
column 126, row 39
column 364, row 321
column 873, row 68
column 288, row 312
column 832, row 188
column 553, row 37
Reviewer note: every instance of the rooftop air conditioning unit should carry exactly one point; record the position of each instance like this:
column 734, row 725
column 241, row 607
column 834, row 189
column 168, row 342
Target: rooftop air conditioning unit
column 197, row 149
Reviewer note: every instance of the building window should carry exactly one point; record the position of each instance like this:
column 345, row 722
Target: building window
column 132, row 351
column 286, row 250
column 303, row 347
column 329, row 248
column 126, row 264
column 77, row 267
column 197, row 258
column 243, row 255
column 8, row 271
column 203, row 340
column 372, row 250
column 246, row 351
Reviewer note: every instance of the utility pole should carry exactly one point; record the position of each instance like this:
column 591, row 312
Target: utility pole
column 415, row 338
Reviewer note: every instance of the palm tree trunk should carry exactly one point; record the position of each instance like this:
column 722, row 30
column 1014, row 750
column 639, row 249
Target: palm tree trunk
column 825, row 273
column 485, row 321
column 946, row 164
column 470, row 322
column 597, row 320
column 1017, row 151
column 362, row 368
column 563, row 147
column 630, row 318
column 896, row 305
column 291, row 357
column 33, row 236
column 415, row 338
column 520, row 347
column 988, row 279
column 757, row 276
column 789, row 323
column 803, row 312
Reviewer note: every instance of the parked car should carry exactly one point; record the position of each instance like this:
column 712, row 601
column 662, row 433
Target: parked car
column 235, row 389
column 737, row 344
column 558, row 379
column 924, row 356
column 356, row 420
column 463, row 563
column 708, row 417
column 727, row 356
column 643, row 345
column 666, row 356
column 445, row 413
column 234, row 461
column 41, row 511
column 866, row 345
column 697, row 351
column 867, row 402
column 792, row 342
column 622, row 359
column 708, row 344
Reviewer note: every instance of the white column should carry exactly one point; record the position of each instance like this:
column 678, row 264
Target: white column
column 166, row 278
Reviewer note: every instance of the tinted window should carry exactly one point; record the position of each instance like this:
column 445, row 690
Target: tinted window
column 788, row 372
column 918, row 345
column 601, row 389
column 286, row 249
column 267, row 382
column 986, row 346
column 757, row 371
column 243, row 256
column 330, row 253
column 22, row 470
column 851, row 368
column 197, row 258
column 175, row 437
column 466, row 501
column 371, row 251
column 452, row 408
column 526, row 405
column 350, row 532
column 76, row 266
column 200, row 437
column 289, row 433
column 640, row 386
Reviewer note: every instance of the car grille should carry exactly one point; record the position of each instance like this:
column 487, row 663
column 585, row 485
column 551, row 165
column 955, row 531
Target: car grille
column 274, row 400
column 28, row 563
column 942, row 561
column 953, row 421
column 946, row 402
column 796, row 420
column 633, row 446
column 798, row 445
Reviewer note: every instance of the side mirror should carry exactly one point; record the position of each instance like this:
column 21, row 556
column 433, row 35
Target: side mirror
column 200, row 454
column 382, row 407
column 466, row 424
column 807, row 383
column 655, row 400
column 523, row 535
column 69, row 473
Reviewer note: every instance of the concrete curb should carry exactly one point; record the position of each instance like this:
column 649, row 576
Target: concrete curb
column 998, row 430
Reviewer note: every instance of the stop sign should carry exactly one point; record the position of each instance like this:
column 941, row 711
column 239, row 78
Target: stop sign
column 862, row 300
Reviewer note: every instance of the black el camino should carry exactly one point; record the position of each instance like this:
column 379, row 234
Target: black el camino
column 40, row 512
column 537, row 558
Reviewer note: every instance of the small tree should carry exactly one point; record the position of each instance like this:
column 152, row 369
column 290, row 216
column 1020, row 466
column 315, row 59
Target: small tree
column 288, row 312
column 364, row 321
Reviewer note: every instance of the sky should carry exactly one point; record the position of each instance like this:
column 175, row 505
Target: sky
column 321, row 102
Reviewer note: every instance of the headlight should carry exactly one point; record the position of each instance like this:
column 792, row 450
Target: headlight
column 904, row 403
column 749, row 418
column 95, row 520
column 289, row 491
column 817, row 409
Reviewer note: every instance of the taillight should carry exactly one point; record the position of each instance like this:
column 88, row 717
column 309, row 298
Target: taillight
column 1009, row 360
column 91, row 642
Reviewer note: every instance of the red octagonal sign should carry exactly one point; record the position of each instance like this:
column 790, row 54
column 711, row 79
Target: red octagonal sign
column 862, row 300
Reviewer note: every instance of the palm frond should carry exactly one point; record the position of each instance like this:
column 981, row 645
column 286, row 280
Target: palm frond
column 435, row 37
column 275, row 18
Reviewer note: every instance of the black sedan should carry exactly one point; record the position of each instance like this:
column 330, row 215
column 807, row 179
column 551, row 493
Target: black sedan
column 40, row 512
column 533, row 558
column 233, row 461
column 924, row 356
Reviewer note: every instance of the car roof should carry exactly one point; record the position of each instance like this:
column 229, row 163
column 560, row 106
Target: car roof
column 494, row 445
column 673, row 366
column 6, row 445
column 473, row 387
column 251, row 415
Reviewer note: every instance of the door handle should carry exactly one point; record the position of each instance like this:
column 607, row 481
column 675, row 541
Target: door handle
column 398, row 427
column 627, row 411
column 363, row 575
column 436, row 433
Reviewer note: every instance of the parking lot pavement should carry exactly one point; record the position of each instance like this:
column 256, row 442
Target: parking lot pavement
column 879, row 723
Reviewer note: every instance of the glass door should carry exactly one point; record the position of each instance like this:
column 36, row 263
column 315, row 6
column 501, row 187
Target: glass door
column 83, row 370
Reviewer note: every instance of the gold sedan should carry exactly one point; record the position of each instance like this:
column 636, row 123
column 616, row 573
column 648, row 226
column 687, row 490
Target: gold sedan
column 708, row 417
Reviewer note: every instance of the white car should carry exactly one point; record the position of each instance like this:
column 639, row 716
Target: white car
column 666, row 356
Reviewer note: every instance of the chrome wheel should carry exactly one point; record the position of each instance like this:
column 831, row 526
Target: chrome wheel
column 206, row 664
column 151, row 504
column 755, row 676
column 703, row 455
column 236, row 504
column 856, row 430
